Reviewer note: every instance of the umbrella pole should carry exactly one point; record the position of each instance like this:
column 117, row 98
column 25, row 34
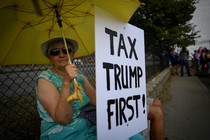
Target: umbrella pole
column 59, row 21
column 77, row 88
column 66, row 47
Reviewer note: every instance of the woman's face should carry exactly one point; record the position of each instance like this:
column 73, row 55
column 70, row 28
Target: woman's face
column 58, row 56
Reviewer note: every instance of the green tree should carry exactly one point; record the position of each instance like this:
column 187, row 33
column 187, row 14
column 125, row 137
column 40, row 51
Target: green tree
column 166, row 23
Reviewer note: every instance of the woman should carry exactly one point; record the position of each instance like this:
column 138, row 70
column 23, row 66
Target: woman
column 174, row 58
column 197, row 55
column 184, row 55
column 203, row 60
column 60, row 119
column 208, row 60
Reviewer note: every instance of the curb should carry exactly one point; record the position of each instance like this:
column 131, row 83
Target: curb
column 155, row 88
column 158, row 84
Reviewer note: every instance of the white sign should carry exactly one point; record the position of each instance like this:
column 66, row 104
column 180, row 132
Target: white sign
column 120, row 78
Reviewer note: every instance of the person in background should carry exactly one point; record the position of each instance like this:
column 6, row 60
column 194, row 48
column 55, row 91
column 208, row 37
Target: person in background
column 208, row 60
column 60, row 119
column 203, row 60
column 174, row 58
column 197, row 55
column 184, row 55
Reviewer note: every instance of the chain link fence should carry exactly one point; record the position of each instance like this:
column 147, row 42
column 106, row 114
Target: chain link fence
column 19, row 117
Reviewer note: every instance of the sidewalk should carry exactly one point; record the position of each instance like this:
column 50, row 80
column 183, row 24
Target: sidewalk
column 187, row 112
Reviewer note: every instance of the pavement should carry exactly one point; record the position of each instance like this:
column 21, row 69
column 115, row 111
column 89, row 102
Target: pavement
column 187, row 111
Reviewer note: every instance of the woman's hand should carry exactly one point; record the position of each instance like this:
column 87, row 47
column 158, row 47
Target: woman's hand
column 70, row 72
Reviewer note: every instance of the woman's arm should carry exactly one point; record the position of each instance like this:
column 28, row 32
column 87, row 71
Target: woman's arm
column 55, row 103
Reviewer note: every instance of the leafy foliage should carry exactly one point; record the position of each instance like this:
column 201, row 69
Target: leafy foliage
column 166, row 23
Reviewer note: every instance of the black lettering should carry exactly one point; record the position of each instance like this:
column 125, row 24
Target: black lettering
column 124, row 76
column 117, row 77
column 139, row 75
column 122, row 46
column 130, row 107
column 109, row 112
column 122, row 104
column 107, row 66
column 136, row 98
column 132, row 75
column 112, row 34
column 132, row 51
column 117, row 112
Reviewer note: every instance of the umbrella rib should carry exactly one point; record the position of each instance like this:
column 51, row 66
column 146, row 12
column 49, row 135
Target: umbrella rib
column 5, row 58
column 52, row 26
column 66, row 21
column 48, row 4
column 73, row 9
column 25, row 10
column 61, row 2
column 80, row 13
column 20, row 9
column 35, row 24
column 72, row 26
column 41, row 20
column 74, row 6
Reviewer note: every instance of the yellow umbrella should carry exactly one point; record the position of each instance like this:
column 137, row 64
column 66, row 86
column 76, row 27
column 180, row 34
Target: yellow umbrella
column 25, row 24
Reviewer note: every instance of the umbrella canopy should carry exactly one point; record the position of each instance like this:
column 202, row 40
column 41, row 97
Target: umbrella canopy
column 25, row 24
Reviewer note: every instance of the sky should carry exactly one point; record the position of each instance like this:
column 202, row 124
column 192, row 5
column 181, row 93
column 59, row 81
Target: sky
column 201, row 18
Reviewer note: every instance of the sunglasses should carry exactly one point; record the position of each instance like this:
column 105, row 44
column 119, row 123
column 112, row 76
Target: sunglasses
column 55, row 52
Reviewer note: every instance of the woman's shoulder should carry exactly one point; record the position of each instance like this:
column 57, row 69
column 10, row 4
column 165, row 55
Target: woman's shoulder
column 45, row 73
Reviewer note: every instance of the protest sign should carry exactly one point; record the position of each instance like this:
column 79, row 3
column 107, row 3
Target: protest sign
column 120, row 78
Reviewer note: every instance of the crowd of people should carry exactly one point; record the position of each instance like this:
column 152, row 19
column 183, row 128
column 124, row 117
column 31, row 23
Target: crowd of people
column 200, row 61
